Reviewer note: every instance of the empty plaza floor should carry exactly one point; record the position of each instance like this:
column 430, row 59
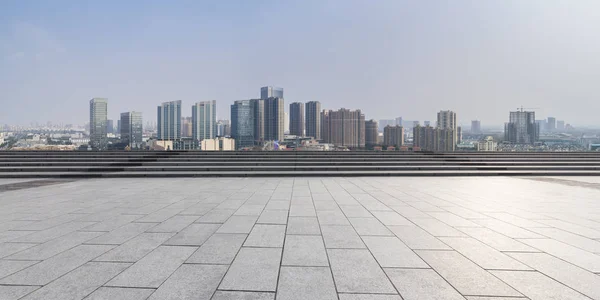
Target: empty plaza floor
column 476, row 238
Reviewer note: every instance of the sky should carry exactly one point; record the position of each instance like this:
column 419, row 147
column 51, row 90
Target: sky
column 393, row 58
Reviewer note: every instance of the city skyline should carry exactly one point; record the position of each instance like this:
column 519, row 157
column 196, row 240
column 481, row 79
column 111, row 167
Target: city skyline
column 464, row 56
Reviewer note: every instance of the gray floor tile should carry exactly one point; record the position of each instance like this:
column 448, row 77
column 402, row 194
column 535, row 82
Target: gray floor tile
column 193, row 235
column 121, row 234
column 576, row 256
column 577, row 278
column 496, row 240
column 136, row 248
column 273, row 217
column 332, row 217
column 152, row 270
column 112, row 223
column 303, row 225
column 572, row 239
column 266, row 236
column 293, row 283
column 417, row 238
column 390, row 252
column 368, row 297
column 507, row 229
column 249, row 210
column 452, row 219
column 422, row 284
column 436, row 227
column 7, row 249
column 174, row 224
column 80, row 282
column 228, row 295
column 238, row 224
column 483, row 255
column 369, row 227
column 114, row 293
column 52, row 233
column 216, row 216
column 278, row 205
column 218, row 249
column 191, row 282
column 254, row 269
column 494, row 298
column 354, row 211
column 302, row 210
column 537, row 286
column 9, row 236
column 391, row 218
column 573, row 228
column 356, row 271
column 341, row 237
column 55, row 267
column 160, row 216
column 55, row 246
column 8, row 267
column 301, row 250
column 464, row 275
column 14, row 292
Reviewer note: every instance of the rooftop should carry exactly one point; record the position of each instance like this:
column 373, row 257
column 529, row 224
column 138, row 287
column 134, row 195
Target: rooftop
column 301, row 238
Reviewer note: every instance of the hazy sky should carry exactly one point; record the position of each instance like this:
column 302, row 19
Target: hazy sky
column 388, row 58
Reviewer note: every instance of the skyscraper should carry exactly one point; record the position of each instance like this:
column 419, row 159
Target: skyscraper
column 274, row 119
column 271, row 92
column 393, row 136
column 169, row 121
column 110, row 126
column 446, row 119
column 98, row 118
column 433, row 139
column 476, row 126
column 223, row 128
column 398, row 121
column 522, row 128
column 560, row 125
column 242, row 123
column 343, row 127
column 186, row 127
column 313, row 119
column 371, row 133
column 204, row 120
column 131, row 129
column 385, row 122
column 551, row 124
column 297, row 119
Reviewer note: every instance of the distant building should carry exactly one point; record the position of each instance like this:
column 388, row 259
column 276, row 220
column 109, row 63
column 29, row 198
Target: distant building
column 521, row 128
column 551, row 125
column 110, row 126
column 274, row 118
column 186, row 127
column 433, row 139
column 427, row 123
column 98, row 120
column 487, row 144
column 204, row 120
column 560, row 125
column 446, row 119
column 385, row 122
column 393, row 136
column 416, row 123
column 459, row 136
column 476, row 126
column 242, row 122
column 271, row 92
column 297, row 119
column 313, row 119
column 343, row 127
column 398, row 121
column 371, row 133
column 286, row 123
column 542, row 125
column 223, row 128
column 169, row 121
column 218, row 144
column 131, row 129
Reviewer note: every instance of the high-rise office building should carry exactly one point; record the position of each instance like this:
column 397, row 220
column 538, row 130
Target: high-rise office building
column 297, row 119
column 433, row 139
column 169, row 121
column 560, row 125
column 186, row 127
column 313, row 119
column 98, row 118
column 258, row 115
column 459, row 136
column 223, row 128
column 551, row 125
column 476, row 126
column 274, row 119
column 446, row 119
column 110, row 126
column 343, row 127
column 204, row 120
column 371, row 133
column 393, row 136
column 286, row 123
column 131, row 129
column 427, row 123
column 521, row 128
column 271, row 92
column 242, row 123
column 398, row 121
column 542, row 125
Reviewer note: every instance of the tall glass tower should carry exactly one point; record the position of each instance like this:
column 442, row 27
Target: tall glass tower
column 131, row 129
column 98, row 120
column 271, row 92
column 169, row 121
column 204, row 120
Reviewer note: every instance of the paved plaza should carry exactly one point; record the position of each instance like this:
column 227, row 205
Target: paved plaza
column 379, row 238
